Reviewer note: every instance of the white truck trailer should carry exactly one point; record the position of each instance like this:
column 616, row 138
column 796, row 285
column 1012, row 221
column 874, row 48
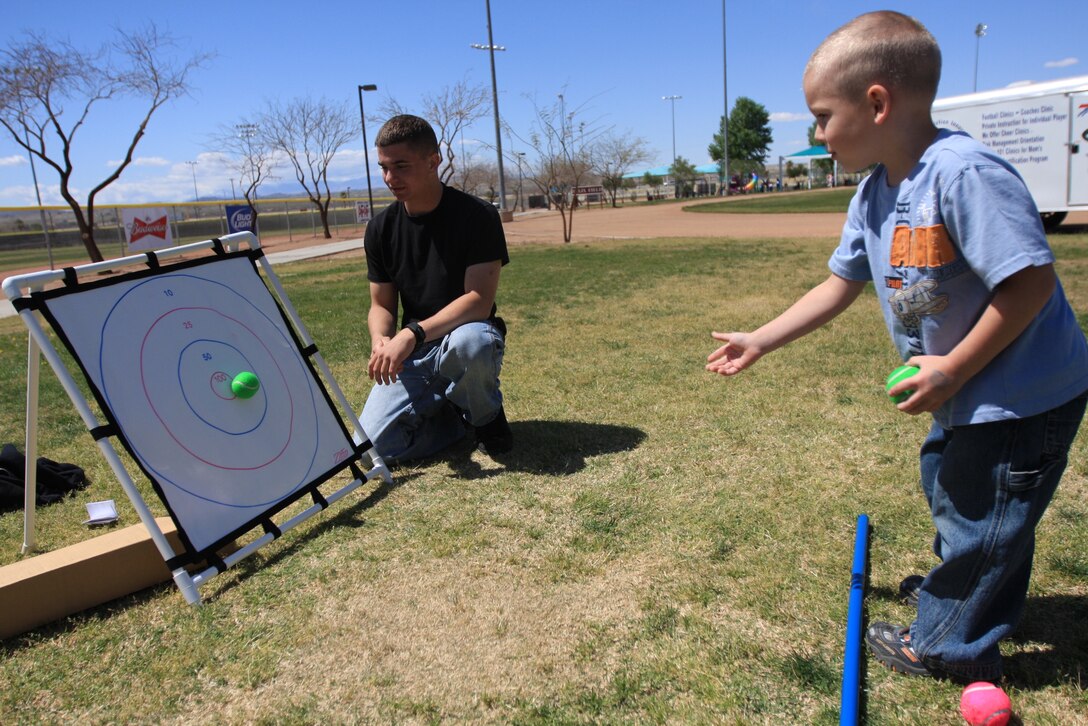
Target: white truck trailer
column 1041, row 128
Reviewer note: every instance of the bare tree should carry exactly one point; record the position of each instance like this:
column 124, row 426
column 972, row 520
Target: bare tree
column 253, row 158
column 563, row 160
column 450, row 111
column 612, row 158
column 309, row 133
column 480, row 178
column 41, row 79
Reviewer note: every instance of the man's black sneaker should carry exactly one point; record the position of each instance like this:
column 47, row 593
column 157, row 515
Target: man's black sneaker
column 495, row 436
column 909, row 589
column 890, row 644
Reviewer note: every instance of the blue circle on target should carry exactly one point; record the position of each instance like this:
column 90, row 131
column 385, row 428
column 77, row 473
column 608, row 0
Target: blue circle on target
column 205, row 353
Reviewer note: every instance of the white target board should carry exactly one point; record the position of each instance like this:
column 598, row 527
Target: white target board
column 161, row 348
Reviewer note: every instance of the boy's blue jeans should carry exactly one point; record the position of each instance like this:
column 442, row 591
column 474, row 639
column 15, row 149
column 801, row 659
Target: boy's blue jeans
column 444, row 385
column 987, row 486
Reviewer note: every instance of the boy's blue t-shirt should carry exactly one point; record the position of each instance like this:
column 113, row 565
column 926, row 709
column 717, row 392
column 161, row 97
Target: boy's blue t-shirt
column 935, row 247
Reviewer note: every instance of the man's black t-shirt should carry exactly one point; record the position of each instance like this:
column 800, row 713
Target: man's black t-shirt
column 425, row 257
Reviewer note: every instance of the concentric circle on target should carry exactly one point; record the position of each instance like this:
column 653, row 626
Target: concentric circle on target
column 167, row 361
column 210, row 400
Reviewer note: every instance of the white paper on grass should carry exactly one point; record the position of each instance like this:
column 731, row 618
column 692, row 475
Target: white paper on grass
column 102, row 512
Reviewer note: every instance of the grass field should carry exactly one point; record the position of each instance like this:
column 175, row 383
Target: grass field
column 38, row 258
column 831, row 200
column 663, row 546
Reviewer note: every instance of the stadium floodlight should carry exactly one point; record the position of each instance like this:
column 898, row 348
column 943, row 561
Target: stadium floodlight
column 491, row 48
column 980, row 30
column 673, row 100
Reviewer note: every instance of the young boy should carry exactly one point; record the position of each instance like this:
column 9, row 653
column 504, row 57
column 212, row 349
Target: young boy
column 951, row 239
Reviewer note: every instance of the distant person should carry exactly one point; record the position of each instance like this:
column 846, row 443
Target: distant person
column 437, row 252
column 949, row 235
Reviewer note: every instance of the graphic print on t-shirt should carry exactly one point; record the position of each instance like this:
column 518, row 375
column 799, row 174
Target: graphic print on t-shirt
column 923, row 244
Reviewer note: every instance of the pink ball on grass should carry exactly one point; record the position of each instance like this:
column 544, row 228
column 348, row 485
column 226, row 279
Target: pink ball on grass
column 984, row 704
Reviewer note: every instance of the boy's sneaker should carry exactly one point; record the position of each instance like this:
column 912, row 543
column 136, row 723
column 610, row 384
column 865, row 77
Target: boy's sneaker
column 890, row 644
column 909, row 589
column 495, row 437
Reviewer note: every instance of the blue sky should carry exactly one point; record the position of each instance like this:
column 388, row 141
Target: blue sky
column 613, row 60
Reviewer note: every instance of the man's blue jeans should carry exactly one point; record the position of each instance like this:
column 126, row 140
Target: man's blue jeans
column 444, row 385
column 987, row 486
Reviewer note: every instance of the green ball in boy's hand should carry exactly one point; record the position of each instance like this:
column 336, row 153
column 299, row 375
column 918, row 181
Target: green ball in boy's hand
column 899, row 374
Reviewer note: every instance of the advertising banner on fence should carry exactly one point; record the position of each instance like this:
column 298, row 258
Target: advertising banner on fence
column 147, row 229
column 362, row 211
column 240, row 218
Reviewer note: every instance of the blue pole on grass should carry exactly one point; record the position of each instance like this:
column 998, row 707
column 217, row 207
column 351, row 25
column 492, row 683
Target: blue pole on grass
column 851, row 667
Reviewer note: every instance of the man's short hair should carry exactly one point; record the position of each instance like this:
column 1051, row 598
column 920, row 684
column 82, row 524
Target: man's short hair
column 411, row 130
column 884, row 47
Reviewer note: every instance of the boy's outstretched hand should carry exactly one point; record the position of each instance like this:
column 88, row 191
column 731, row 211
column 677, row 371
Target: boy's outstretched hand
column 738, row 353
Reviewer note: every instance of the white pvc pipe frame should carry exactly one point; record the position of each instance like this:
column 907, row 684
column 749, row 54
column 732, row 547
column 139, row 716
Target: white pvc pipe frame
column 39, row 345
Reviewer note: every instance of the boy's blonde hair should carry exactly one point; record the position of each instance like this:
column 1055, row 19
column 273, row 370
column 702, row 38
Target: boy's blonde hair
column 884, row 47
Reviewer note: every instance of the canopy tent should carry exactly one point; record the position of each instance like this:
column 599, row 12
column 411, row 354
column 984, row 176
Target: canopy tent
column 812, row 153
column 666, row 171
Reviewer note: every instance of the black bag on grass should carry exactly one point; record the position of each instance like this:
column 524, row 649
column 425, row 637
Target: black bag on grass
column 55, row 480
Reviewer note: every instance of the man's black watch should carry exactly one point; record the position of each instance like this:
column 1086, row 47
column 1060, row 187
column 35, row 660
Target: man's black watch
column 417, row 330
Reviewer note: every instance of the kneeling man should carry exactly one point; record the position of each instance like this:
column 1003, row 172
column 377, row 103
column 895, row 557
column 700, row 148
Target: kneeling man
column 438, row 253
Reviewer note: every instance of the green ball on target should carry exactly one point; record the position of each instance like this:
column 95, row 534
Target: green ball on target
column 245, row 385
column 900, row 374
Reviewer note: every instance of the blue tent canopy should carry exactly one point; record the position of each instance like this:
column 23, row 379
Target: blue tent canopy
column 812, row 152
column 807, row 156
column 664, row 171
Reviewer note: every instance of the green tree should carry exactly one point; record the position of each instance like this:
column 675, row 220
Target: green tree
column 750, row 137
column 684, row 175
column 795, row 170
column 653, row 181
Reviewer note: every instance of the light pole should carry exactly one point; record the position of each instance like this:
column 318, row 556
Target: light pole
column 491, row 48
column 38, row 194
column 196, row 194
column 672, row 100
column 980, row 30
column 233, row 196
column 366, row 151
column 563, row 117
column 725, row 118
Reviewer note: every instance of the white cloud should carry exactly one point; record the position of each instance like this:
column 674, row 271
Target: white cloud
column 12, row 160
column 18, row 196
column 140, row 161
column 786, row 116
column 1063, row 63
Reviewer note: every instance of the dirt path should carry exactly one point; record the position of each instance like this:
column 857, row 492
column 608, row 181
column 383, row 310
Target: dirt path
column 642, row 221
column 668, row 220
